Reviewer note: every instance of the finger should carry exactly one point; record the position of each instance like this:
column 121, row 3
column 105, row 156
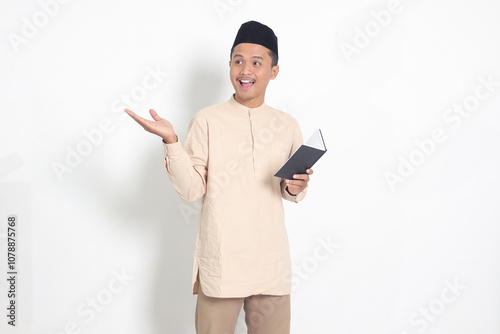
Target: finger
column 142, row 121
column 130, row 112
column 309, row 171
column 295, row 189
column 154, row 115
column 301, row 177
column 295, row 182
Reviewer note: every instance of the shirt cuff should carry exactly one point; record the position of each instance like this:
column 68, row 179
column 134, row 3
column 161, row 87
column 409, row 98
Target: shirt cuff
column 172, row 150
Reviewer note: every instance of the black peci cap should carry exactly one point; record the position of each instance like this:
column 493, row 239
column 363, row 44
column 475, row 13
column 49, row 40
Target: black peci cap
column 257, row 33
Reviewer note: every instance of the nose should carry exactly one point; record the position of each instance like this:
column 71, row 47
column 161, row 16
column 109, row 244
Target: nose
column 246, row 69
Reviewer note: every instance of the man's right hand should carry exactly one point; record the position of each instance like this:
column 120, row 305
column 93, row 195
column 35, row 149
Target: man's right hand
column 159, row 126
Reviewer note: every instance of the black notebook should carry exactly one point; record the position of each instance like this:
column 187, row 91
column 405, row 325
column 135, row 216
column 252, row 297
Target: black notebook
column 304, row 157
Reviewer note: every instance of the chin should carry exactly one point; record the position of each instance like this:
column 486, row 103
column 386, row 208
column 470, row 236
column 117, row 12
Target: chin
column 245, row 97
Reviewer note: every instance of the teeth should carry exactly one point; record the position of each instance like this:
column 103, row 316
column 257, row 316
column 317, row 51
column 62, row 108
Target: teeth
column 246, row 81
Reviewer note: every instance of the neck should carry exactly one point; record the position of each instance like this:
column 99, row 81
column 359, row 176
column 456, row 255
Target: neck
column 253, row 103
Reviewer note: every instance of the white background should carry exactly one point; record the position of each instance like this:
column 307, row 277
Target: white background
column 116, row 211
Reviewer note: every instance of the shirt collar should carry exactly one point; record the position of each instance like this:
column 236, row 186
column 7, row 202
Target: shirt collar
column 241, row 107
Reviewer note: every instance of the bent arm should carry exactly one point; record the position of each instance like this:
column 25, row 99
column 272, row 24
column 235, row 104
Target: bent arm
column 187, row 166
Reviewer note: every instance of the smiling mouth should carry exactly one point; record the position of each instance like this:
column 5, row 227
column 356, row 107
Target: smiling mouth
column 246, row 83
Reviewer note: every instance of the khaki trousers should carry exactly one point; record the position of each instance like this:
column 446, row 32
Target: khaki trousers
column 264, row 314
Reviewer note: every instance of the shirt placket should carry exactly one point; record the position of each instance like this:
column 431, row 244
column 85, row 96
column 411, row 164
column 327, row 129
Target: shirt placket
column 257, row 168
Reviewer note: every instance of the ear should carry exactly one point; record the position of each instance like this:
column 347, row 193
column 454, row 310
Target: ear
column 274, row 72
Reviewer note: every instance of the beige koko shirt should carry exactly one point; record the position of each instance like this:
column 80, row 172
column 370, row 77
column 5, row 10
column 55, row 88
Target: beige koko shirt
column 228, row 160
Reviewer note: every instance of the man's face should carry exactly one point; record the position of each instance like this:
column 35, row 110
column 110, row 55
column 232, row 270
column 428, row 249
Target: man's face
column 250, row 72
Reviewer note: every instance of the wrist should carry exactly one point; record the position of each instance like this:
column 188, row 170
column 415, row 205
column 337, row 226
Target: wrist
column 170, row 140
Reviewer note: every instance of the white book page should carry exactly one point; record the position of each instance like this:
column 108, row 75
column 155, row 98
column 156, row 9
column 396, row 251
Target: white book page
column 316, row 141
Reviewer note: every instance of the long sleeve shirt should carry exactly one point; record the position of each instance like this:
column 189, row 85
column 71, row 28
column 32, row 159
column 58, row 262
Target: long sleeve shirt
column 229, row 159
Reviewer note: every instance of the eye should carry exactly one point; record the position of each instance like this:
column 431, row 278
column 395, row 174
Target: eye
column 256, row 63
column 238, row 62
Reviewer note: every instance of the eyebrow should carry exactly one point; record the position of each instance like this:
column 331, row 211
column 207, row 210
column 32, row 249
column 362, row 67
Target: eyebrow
column 238, row 55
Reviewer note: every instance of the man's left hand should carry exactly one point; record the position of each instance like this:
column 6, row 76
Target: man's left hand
column 298, row 183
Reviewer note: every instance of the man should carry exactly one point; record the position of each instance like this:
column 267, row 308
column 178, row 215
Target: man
column 230, row 155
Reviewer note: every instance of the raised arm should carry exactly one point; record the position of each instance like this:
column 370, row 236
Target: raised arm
column 186, row 166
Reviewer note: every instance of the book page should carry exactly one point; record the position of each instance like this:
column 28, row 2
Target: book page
column 316, row 141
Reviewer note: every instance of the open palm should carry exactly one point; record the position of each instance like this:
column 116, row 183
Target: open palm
column 158, row 126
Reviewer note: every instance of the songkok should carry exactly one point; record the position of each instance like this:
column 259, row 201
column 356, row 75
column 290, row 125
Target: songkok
column 257, row 33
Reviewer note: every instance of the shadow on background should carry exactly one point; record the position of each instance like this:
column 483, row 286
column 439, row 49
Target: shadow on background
column 173, row 310
column 152, row 209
